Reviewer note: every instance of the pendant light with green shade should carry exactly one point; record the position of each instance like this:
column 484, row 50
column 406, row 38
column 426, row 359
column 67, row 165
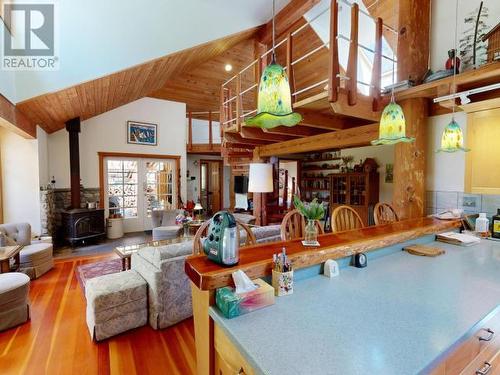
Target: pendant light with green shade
column 452, row 139
column 274, row 103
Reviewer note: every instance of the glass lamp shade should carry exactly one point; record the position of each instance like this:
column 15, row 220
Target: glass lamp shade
column 452, row 139
column 260, row 178
column 392, row 127
column 274, row 105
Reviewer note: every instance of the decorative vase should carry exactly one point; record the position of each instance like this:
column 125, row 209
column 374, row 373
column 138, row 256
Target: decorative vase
column 311, row 232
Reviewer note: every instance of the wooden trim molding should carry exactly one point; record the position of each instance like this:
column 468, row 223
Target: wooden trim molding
column 14, row 120
column 103, row 154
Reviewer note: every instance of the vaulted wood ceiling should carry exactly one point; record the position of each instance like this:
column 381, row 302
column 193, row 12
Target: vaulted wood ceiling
column 100, row 95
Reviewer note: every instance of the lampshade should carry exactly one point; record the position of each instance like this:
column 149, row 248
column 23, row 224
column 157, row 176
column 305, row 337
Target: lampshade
column 452, row 139
column 198, row 206
column 260, row 178
column 274, row 105
column 392, row 128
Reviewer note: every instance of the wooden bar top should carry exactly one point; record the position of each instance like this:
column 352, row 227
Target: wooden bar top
column 256, row 261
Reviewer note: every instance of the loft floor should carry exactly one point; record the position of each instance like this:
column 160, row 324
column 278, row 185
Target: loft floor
column 56, row 340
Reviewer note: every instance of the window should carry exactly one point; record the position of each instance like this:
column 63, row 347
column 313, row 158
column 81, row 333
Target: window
column 122, row 187
column 159, row 185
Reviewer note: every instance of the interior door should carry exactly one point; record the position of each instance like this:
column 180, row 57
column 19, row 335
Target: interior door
column 210, row 185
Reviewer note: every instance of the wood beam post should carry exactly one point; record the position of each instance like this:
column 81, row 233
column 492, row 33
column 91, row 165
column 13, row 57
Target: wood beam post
column 190, row 131
column 222, row 117
column 409, row 158
column 377, row 66
column 334, row 69
column 352, row 65
column 238, row 101
column 289, row 67
column 210, row 140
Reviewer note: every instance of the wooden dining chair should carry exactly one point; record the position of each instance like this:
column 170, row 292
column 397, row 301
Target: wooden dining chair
column 202, row 233
column 384, row 213
column 345, row 218
column 293, row 226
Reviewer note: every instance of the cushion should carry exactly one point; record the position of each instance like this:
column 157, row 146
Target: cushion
column 267, row 231
column 156, row 254
column 36, row 253
column 14, row 289
column 166, row 232
column 108, row 291
column 20, row 233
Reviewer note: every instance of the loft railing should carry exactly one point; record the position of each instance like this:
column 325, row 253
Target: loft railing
column 210, row 116
column 233, row 93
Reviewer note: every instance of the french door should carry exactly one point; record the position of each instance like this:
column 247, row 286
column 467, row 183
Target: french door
column 133, row 187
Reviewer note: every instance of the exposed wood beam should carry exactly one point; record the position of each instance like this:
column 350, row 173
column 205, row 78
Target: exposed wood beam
column 13, row 119
column 355, row 137
column 237, row 138
column 363, row 108
column 204, row 148
column 256, row 133
column 290, row 14
column 299, row 131
column 318, row 120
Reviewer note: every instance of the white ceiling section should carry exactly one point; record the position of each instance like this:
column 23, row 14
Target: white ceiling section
column 99, row 37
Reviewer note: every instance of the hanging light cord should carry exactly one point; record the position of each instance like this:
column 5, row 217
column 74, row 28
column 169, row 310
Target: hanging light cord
column 455, row 60
column 274, row 42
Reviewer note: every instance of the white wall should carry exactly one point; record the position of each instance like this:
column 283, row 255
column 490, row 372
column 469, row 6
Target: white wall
column 20, row 179
column 43, row 156
column 383, row 155
column 444, row 171
column 193, row 186
column 108, row 132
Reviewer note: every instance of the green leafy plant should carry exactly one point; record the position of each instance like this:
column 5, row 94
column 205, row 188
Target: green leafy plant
column 311, row 211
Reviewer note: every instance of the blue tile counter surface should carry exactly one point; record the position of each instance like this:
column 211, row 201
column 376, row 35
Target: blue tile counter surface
column 400, row 315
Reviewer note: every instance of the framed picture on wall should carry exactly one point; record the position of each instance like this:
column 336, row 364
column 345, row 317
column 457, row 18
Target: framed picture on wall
column 142, row 133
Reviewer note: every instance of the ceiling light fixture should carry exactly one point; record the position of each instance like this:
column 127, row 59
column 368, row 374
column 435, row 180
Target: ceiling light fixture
column 452, row 139
column 228, row 67
column 274, row 103
column 392, row 128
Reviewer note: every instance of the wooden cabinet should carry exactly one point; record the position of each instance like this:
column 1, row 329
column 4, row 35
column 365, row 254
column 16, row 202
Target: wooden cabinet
column 360, row 190
column 479, row 354
column 228, row 360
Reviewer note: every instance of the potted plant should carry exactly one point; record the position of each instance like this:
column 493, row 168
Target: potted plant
column 312, row 211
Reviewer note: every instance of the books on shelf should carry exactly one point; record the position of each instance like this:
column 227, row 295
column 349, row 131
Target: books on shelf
column 461, row 239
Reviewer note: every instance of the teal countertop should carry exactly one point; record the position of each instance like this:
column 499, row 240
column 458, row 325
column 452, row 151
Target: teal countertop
column 400, row 315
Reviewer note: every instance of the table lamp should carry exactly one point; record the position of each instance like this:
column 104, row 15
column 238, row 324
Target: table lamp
column 197, row 208
column 260, row 178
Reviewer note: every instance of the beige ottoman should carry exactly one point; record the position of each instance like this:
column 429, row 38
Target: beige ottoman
column 14, row 300
column 116, row 303
column 36, row 259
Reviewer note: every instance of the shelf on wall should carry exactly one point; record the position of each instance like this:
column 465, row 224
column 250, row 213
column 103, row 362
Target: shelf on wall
column 319, row 169
column 318, row 160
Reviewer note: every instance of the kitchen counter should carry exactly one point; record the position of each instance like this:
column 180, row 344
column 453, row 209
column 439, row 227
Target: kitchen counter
column 400, row 315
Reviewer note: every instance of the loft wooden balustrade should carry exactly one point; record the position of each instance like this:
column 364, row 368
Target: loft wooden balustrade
column 327, row 102
column 202, row 148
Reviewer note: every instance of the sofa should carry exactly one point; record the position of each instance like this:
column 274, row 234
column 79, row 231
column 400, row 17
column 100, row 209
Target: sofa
column 35, row 257
column 164, row 225
column 169, row 289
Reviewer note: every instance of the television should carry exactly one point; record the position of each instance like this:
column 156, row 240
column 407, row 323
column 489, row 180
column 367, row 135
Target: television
column 241, row 184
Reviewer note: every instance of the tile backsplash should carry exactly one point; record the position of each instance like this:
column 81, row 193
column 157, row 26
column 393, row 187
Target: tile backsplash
column 438, row 201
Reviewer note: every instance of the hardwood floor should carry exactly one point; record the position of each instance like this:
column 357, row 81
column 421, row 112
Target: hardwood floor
column 57, row 341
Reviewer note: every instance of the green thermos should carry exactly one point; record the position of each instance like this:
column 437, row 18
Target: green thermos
column 221, row 244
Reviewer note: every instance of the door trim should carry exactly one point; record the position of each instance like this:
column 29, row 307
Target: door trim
column 221, row 178
column 102, row 155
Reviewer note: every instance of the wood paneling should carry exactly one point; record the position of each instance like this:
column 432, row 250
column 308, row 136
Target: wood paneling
column 103, row 94
column 256, row 261
column 13, row 119
column 57, row 341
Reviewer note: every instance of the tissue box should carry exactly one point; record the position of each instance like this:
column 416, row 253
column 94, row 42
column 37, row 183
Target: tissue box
column 232, row 304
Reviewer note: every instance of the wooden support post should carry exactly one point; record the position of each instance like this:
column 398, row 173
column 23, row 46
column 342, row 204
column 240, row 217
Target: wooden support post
column 210, row 140
column 409, row 162
column 352, row 64
column 203, row 330
column 222, row 117
column 409, row 159
column 289, row 67
column 238, row 102
column 190, row 131
column 377, row 66
column 334, row 69
column 229, row 107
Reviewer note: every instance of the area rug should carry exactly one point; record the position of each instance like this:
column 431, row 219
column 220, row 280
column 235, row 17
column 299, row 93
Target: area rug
column 89, row 271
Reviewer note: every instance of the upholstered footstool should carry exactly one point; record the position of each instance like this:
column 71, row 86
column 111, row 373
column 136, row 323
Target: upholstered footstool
column 115, row 303
column 166, row 232
column 14, row 300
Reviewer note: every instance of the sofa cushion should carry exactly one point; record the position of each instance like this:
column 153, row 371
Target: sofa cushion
column 269, row 231
column 18, row 232
column 14, row 288
column 36, row 253
column 108, row 291
column 166, row 232
column 157, row 254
